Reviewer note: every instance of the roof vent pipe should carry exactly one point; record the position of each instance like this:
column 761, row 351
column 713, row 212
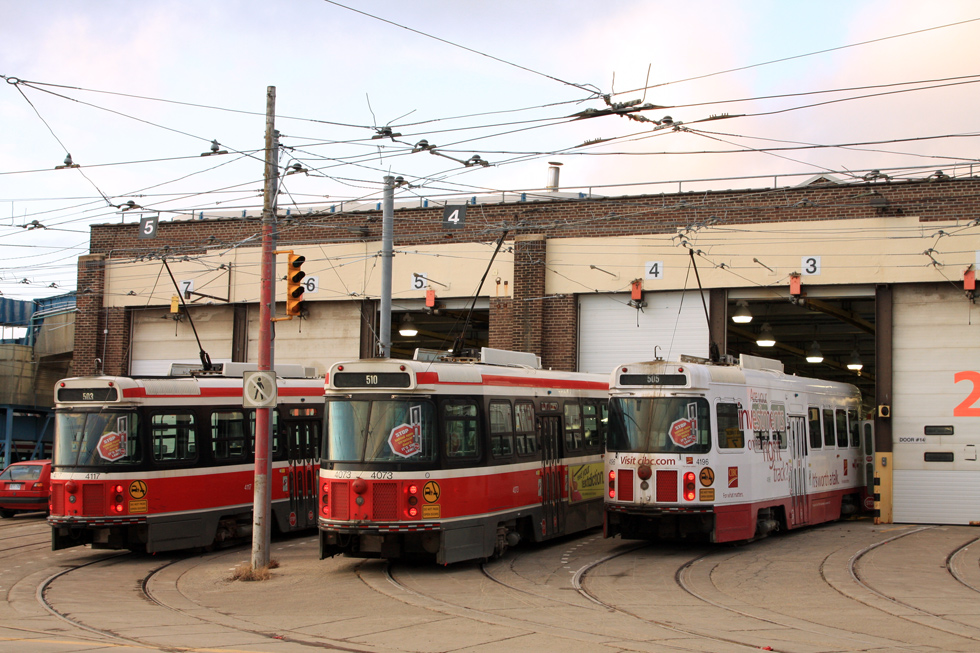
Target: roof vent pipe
column 553, row 171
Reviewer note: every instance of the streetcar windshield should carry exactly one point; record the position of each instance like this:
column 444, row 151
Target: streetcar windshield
column 380, row 431
column 95, row 439
column 659, row 425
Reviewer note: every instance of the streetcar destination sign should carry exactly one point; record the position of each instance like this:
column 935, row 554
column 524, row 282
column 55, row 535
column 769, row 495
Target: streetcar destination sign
column 372, row 380
column 87, row 394
column 653, row 379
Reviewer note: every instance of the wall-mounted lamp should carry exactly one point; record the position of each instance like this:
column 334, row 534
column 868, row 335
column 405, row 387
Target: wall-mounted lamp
column 813, row 354
column 742, row 315
column 766, row 338
column 407, row 328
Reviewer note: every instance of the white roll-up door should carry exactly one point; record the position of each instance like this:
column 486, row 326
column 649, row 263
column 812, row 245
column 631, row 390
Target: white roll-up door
column 159, row 339
column 611, row 332
column 330, row 333
column 935, row 417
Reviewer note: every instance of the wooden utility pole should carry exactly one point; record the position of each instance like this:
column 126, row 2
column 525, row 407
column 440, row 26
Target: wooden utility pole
column 262, row 502
column 387, row 253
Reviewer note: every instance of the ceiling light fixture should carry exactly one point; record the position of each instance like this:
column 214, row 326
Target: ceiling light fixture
column 813, row 354
column 766, row 338
column 742, row 314
column 407, row 327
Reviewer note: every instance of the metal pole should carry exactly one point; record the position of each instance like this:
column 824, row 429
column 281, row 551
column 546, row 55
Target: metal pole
column 262, row 501
column 387, row 253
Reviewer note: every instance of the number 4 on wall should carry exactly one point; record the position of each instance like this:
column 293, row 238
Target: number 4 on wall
column 654, row 270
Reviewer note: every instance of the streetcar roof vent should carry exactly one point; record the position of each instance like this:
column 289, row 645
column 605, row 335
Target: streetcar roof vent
column 747, row 362
column 284, row 370
column 429, row 355
column 687, row 358
column 504, row 357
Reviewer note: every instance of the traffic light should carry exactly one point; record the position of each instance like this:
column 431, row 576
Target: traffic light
column 294, row 285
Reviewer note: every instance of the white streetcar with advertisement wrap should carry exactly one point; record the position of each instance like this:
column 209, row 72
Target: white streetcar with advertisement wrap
column 730, row 452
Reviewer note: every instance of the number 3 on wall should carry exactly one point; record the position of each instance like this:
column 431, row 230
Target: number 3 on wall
column 967, row 407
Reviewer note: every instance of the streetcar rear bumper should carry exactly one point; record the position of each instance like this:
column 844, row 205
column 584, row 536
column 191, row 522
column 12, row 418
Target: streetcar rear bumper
column 101, row 532
column 384, row 540
column 658, row 522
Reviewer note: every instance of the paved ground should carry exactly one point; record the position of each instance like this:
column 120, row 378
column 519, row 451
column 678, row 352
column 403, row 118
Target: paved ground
column 849, row 586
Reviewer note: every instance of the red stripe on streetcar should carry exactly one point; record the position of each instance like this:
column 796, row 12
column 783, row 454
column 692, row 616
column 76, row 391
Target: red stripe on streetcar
column 516, row 382
column 140, row 393
column 569, row 384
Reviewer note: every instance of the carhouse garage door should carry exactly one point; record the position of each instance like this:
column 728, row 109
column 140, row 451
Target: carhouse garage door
column 936, row 409
column 611, row 332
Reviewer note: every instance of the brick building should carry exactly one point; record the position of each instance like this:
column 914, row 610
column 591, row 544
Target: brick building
column 588, row 283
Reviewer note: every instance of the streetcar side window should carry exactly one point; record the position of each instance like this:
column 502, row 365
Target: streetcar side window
column 573, row 427
column 813, row 419
column 855, row 427
column 501, row 429
column 174, row 437
column 828, row 427
column 229, row 436
column 460, row 424
column 778, row 413
column 730, row 436
column 841, row 428
column 592, row 427
column 761, row 434
column 527, row 439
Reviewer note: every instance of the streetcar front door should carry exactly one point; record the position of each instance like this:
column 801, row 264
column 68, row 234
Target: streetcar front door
column 551, row 476
column 302, row 442
column 797, row 449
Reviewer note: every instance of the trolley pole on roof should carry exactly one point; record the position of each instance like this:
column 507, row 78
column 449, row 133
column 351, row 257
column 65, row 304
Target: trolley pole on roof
column 262, row 502
column 387, row 253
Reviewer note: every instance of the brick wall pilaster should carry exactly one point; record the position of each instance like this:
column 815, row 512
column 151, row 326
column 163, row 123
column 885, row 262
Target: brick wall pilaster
column 528, row 303
column 88, row 320
column 501, row 323
column 560, row 333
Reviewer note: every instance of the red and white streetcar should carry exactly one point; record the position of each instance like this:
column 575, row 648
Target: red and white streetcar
column 453, row 461
column 156, row 464
column 730, row 452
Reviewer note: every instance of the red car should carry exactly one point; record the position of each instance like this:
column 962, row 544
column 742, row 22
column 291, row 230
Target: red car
column 25, row 487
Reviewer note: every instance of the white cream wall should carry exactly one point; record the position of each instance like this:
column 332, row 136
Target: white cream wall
column 345, row 271
column 888, row 249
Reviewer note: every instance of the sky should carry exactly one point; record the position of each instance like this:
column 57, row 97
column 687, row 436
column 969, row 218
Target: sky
column 136, row 92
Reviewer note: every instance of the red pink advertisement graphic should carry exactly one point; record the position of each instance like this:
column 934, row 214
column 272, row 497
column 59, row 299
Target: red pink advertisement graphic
column 684, row 432
column 112, row 445
column 405, row 440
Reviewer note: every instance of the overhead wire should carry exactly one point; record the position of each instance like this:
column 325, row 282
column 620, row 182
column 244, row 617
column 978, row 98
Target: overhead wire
column 801, row 56
column 583, row 87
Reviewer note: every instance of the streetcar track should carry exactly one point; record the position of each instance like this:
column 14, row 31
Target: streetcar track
column 292, row 637
column 792, row 622
column 856, row 576
column 44, row 603
column 577, row 585
column 581, row 574
column 951, row 564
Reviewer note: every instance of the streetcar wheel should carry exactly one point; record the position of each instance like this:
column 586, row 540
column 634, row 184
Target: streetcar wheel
column 6, row 514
